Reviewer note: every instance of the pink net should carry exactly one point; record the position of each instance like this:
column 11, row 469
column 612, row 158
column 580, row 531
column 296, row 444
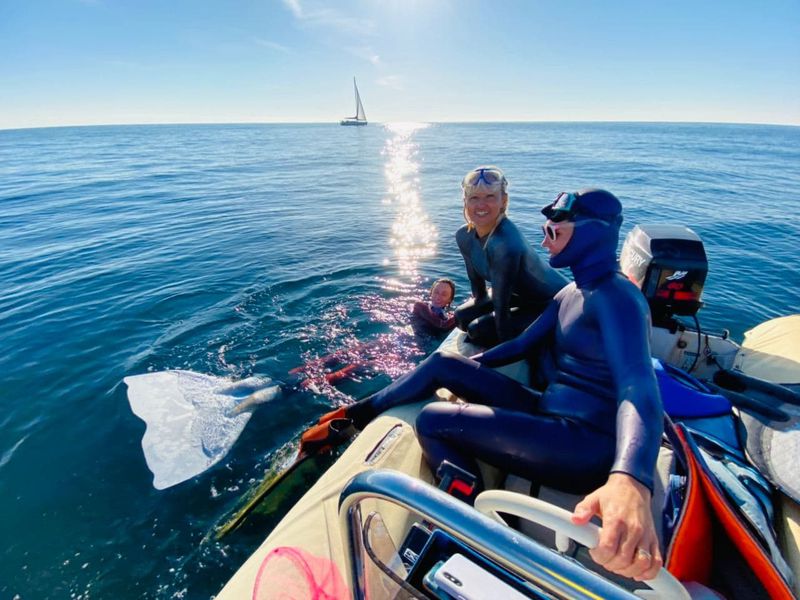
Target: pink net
column 289, row 573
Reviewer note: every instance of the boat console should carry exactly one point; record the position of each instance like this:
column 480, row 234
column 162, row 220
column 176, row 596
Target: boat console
column 452, row 550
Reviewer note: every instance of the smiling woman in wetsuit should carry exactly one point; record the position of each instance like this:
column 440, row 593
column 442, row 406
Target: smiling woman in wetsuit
column 596, row 426
column 495, row 251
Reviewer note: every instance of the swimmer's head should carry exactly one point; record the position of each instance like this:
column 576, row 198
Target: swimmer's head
column 486, row 186
column 443, row 291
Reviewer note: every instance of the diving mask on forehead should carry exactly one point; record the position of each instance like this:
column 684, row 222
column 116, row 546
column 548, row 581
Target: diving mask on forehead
column 585, row 204
column 490, row 176
column 562, row 208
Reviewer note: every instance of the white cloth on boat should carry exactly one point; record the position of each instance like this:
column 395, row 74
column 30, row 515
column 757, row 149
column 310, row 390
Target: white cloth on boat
column 771, row 351
column 774, row 447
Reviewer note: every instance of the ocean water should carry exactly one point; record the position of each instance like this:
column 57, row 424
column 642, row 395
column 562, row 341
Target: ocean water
column 240, row 250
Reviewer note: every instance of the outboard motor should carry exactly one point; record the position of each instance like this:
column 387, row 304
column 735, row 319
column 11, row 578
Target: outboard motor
column 668, row 263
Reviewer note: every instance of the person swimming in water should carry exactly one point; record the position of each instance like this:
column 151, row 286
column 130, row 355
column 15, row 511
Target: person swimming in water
column 494, row 250
column 594, row 427
column 434, row 314
column 426, row 318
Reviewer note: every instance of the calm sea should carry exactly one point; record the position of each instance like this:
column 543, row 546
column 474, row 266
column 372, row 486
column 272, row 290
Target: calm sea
column 241, row 250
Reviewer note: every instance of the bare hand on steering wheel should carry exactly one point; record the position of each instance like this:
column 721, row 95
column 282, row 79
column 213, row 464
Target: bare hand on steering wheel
column 628, row 542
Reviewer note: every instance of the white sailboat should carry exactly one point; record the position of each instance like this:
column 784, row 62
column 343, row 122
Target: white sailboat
column 360, row 118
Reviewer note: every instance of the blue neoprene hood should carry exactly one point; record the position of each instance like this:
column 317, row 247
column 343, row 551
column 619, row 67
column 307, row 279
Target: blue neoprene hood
column 592, row 250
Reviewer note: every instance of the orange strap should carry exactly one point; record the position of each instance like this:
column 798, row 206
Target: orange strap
column 714, row 500
column 689, row 552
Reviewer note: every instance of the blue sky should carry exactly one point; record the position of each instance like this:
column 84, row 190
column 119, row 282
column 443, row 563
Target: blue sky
column 73, row 62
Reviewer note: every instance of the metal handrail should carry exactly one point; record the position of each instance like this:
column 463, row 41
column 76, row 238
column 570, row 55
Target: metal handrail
column 513, row 550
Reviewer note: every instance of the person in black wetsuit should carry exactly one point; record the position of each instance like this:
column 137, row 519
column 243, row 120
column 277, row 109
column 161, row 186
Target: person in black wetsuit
column 597, row 424
column 494, row 250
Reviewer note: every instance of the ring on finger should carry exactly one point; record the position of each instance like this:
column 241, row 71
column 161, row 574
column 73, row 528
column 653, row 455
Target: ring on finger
column 643, row 554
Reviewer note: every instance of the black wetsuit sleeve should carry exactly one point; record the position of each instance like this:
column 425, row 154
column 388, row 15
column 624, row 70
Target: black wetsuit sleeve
column 519, row 347
column 504, row 265
column 624, row 327
column 476, row 282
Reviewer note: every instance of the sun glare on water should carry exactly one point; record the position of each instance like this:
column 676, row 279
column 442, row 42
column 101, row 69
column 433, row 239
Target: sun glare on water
column 413, row 237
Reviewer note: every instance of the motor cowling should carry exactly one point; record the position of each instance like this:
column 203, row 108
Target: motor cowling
column 668, row 263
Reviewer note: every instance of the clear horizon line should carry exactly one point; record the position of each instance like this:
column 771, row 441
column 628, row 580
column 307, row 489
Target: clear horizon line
column 433, row 122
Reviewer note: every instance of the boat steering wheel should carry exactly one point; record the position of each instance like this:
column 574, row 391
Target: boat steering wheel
column 492, row 502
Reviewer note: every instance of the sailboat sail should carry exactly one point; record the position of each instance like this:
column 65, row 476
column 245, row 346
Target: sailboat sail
column 360, row 118
column 360, row 115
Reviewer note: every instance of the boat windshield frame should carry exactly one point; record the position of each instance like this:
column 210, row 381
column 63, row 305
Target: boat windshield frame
column 522, row 556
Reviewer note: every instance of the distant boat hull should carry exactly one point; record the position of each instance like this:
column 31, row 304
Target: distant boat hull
column 352, row 122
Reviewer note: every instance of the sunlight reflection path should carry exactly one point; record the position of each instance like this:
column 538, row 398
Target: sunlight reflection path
column 351, row 357
column 413, row 236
